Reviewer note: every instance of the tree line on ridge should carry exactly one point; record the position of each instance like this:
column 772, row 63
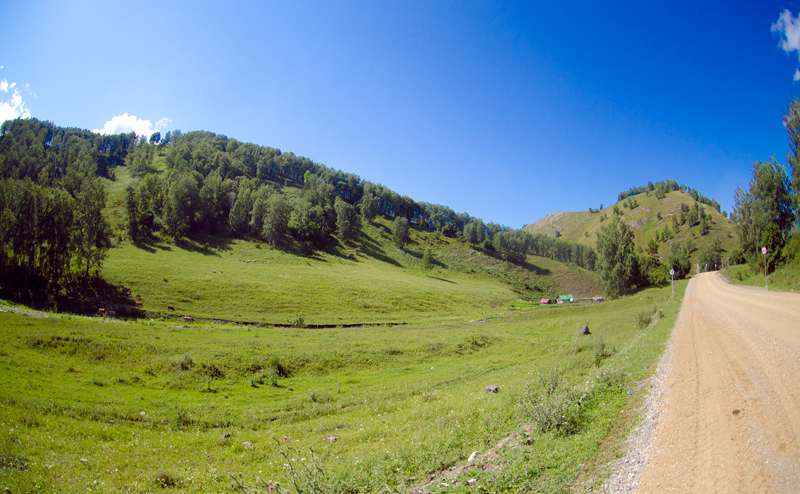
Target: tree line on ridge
column 51, row 200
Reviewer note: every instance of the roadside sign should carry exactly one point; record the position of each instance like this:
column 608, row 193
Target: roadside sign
column 764, row 250
column 672, row 274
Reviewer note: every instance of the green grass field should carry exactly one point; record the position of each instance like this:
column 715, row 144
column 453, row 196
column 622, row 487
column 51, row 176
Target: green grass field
column 371, row 281
column 91, row 405
column 396, row 376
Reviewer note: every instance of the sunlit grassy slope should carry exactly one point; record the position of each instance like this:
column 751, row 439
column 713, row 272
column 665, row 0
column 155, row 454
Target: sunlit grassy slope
column 371, row 282
column 90, row 404
column 582, row 226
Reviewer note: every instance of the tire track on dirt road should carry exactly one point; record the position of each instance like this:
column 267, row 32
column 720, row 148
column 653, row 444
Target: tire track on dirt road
column 730, row 413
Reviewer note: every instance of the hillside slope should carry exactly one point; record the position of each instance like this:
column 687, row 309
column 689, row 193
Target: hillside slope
column 582, row 226
column 367, row 281
column 370, row 282
column 202, row 225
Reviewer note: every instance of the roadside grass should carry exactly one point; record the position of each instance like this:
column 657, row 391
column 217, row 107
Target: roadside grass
column 112, row 406
column 786, row 278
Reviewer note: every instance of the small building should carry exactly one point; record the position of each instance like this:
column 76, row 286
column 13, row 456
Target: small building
column 565, row 298
column 545, row 301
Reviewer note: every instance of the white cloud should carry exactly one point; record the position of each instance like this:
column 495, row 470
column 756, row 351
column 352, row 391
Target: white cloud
column 13, row 107
column 789, row 29
column 122, row 124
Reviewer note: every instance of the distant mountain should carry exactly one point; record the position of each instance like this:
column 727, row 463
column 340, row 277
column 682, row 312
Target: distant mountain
column 649, row 219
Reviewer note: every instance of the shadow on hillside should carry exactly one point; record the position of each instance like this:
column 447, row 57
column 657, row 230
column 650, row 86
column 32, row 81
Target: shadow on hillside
column 386, row 229
column 145, row 247
column 208, row 245
column 78, row 296
column 520, row 264
column 370, row 248
column 442, row 279
column 152, row 245
column 534, row 268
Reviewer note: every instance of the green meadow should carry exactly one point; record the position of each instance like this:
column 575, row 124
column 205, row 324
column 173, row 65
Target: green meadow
column 368, row 282
column 104, row 405
column 351, row 369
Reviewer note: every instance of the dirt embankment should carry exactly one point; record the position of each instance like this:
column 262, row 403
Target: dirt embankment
column 728, row 410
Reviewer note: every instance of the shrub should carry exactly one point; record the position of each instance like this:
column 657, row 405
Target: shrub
column 307, row 476
column 601, row 351
column 269, row 376
column 318, row 397
column 280, row 369
column 212, row 371
column 555, row 405
column 185, row 363
column 478, row 341
column 184, row 419
column 645, row 317
column 166, row 480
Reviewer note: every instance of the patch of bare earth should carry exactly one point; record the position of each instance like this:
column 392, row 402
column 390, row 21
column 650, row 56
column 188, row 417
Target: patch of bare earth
column 484, row 461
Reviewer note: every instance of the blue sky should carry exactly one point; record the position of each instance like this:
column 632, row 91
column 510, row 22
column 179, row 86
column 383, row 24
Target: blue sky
column 507, row 111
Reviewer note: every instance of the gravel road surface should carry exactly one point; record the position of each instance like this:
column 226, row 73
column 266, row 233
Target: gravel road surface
column 724, row 415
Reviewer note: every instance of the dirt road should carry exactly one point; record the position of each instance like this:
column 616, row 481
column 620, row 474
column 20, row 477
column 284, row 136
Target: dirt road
column 730, row 409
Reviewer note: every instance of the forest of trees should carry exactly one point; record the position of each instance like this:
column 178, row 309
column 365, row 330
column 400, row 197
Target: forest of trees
column 766, row 213
column 52, row 226
column 660, row 189
column 51, row 200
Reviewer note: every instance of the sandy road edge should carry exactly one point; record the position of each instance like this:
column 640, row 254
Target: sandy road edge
column 624, row 473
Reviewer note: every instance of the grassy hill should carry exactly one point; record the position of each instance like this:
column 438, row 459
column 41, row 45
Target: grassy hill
column 582, row 226
column 114, row 405
column 369, row 281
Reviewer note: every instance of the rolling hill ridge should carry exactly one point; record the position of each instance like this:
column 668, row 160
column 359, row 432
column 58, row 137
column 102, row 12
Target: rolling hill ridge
column 649, row 219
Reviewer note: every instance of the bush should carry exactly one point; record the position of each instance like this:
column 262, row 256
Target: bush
column 318, row 397
column 601, row 351
column 185, row 363
column 737, row 257
column 555, row 405
column 279, row 368
column 791, row 251
column 645, row 317
column 269, row 376
column 166, row 480
column 657, row 276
